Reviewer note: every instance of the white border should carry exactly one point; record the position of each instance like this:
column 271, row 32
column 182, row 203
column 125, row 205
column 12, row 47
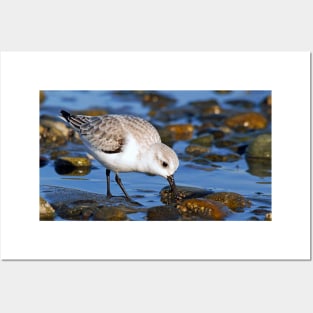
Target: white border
column 23, row 74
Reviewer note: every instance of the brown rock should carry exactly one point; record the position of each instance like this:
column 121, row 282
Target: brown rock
column 246, row 121
column 196, row 150
column 232, row 200
column 203, row 209
column 181, row 131
column 46, row 211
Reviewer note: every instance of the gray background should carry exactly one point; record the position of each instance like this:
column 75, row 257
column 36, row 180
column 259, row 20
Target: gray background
column 149, row 286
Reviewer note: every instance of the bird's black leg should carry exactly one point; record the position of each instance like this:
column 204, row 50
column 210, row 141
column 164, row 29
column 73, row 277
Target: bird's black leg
column 119, row 182
column 107, row 172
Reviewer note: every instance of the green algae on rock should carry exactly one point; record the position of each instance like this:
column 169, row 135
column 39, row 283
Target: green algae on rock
column 260, row 147
column 75, row 166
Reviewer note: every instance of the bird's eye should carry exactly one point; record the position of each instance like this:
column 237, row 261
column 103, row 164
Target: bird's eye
column 164, row 164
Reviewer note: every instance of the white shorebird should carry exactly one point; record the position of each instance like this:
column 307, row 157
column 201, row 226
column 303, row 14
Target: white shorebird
column 125, row 143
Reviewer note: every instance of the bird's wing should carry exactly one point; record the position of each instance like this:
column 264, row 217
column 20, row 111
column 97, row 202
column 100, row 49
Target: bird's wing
column 103, row 133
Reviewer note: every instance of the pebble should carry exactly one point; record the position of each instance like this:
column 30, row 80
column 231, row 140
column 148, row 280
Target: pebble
column 105, row 213
column 196, row 150
column 246, row 121
column 46, row 211
column 156, row 100
column 207, row 107
column 203, row 209
column 260, row 147
column 232, row 200
column 42, row 96
column 205, row 140
column 163, row 213
column 228, row 157
column 184, row 192
column 69, row 165
column 180, row 131
column 73, row 204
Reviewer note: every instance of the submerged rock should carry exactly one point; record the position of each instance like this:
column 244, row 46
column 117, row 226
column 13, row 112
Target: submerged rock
column 205, row 140
column 215, row 157
column 73, row 204
column 196, row 150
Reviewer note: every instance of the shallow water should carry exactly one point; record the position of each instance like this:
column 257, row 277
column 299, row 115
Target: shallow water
column 215, row 176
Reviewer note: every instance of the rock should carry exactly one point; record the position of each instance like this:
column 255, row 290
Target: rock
column 261, row 167
column 241, row 103
column 205, row 140
column 42, row 96
column 73, row 204
column 222, row 92
column 207, row 107
column 184, row 192
column 260, row 147
column 69, row 165
column 53, row 133
column 163, row 213
column 268, row 216
column 228, row 157
column 266, row 107
column 180, row 131
column 203, row 209
column 196, row 150
column 46, row 211
column 261, row 211
column 43, row 161
column 156, row 100
column 104, row 213
column 166, row 136
column 51, row 137
column 232, row 200
column 246, row 121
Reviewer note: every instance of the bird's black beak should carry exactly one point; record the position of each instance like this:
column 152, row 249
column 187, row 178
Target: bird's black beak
column 173, row 188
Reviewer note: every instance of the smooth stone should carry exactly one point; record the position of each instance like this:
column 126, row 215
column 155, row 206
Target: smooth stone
column 163, row 213
column 75, row 166
column 203, row 209
column 205, row 140
column 260, row 147
column 184, row 192
column 46, row 211
column 196, row 150
column 181, row 131
column 232, row 200
column 246, row 121
column 229, row 157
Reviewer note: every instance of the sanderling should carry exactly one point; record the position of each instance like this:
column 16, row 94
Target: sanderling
column 125, row 143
